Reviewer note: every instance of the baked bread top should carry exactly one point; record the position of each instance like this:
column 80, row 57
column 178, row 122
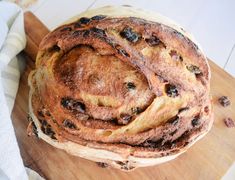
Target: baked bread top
column 130, row 85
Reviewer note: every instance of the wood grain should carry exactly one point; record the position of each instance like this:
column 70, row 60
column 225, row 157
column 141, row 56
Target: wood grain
column 209, row 158
column 35, row 30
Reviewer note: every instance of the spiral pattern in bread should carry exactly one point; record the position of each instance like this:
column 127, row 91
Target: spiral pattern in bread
column 123, row 90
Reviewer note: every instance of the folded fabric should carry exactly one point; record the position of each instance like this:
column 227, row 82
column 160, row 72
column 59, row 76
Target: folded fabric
column 12, row 41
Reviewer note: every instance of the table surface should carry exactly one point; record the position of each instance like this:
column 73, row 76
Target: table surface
column 210, row 158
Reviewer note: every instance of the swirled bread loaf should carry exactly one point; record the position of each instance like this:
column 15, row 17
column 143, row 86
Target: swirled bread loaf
column 120, row 86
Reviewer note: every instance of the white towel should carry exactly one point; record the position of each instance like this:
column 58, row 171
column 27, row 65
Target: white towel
column 12, row 41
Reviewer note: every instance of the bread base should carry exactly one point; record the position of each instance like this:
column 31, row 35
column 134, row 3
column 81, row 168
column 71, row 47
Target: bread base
column 99, row 155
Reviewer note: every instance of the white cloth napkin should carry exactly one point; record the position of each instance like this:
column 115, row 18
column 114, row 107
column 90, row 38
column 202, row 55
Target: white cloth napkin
column 12, row 41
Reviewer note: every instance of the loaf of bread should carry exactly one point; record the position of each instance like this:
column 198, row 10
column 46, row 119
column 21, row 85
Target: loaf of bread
column 121, row 86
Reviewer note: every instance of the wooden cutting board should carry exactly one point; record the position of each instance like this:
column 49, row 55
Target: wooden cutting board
column 209, row 158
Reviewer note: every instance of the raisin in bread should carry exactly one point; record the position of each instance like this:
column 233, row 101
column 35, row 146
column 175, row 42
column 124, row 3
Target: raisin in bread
column 120, row 86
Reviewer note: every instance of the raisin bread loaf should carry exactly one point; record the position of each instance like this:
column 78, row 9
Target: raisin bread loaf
column 120, row 86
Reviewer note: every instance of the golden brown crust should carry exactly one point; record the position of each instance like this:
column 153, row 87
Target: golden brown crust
column 126, row 85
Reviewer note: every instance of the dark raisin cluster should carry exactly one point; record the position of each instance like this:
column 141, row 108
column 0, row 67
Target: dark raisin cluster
column 69, row 124
column 73, row 105
column 153, row 41
column 171, row 90
column 55, row 48
column 196, row 121
column 121, row 51
column 98, row 32
column 136, row 110
column 129, row 34
column 194, row 69
column 174, row 120
column 47, row 129
column 98, row 17
column 183, row 109
column 229, row 122
column 84, row 20
column 125, row 165
column 102, row 164
column 130, row 85
column 224, row 101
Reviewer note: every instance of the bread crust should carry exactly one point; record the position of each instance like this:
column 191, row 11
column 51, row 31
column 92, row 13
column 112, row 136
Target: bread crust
column 129, row 91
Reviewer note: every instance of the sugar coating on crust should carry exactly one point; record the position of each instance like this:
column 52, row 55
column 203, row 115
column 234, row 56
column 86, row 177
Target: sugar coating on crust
column 128, row 85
